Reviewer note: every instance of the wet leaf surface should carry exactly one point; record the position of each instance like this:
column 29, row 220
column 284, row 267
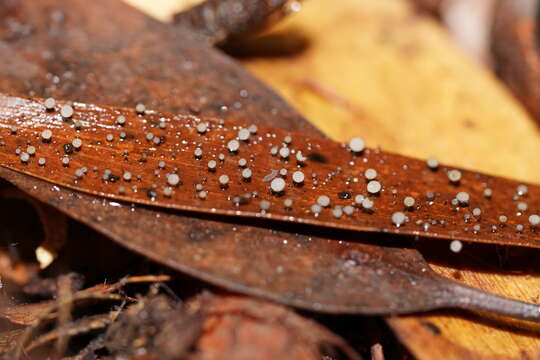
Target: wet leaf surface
column 309, row 267
column 211, row 166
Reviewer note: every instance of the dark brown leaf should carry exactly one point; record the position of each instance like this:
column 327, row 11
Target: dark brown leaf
column 220, row 20
column 81, row 51
column 317, row 269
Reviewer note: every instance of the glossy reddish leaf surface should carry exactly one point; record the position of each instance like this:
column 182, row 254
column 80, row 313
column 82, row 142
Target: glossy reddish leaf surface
column 308, row 267
column 164, row 160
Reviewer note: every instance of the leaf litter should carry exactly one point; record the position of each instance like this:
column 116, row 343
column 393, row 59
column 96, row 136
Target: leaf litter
column 399, row 278
column 343, row 297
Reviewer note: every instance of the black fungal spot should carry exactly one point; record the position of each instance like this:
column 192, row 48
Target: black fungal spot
column 151, row 194
column 68, row 148
column 432, row 327
column 344, row 195
column 113, row 178
column 244, row 200
column 317, row 158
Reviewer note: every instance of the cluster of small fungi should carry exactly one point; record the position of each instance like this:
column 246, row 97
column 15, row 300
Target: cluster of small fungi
column 185, row 162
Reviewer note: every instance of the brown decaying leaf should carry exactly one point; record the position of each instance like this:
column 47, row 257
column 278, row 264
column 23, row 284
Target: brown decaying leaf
column 308, row 270
column 29, row 313
column 209, row 326
column 155, row 327
column 24, row 314
column 81, row 51
column 220, row 21
column 234, row 324
column 8, row 339
column 50, row 310
column 318, row 269
column 74, row 328
column 194, row 164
